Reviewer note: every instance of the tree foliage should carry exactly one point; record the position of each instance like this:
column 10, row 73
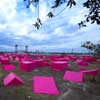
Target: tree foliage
column 93, row 47
column 50, row 15
column 94, row 12
column 92, row 5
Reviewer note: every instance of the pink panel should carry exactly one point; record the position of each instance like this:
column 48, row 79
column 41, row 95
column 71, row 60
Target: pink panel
column 9, row 67
column 73, row 76
column 12, row 80
column 43, row 84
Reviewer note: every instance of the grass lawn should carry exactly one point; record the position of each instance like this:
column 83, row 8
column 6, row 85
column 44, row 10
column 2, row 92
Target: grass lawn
column 89, row 90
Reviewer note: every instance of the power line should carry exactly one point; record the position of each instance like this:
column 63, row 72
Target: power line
column 61, row 11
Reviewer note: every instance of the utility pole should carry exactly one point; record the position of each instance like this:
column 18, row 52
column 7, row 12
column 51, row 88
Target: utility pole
column 16, row 48
column 26, row 49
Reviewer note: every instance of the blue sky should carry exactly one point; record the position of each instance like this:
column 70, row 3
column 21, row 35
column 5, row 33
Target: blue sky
column 60, row 33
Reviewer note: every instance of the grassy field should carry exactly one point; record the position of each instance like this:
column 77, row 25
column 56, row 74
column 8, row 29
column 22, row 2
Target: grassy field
column 89, row 90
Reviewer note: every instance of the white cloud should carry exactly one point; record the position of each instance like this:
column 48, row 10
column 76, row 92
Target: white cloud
column 60, row 32
column 38, row 36
column 7, row 8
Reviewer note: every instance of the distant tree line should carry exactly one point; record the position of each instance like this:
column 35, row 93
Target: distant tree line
column 95, row 48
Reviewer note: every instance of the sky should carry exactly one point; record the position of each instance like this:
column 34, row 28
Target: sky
column 60, row 33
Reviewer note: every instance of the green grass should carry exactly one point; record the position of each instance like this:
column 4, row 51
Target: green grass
column 25, row 92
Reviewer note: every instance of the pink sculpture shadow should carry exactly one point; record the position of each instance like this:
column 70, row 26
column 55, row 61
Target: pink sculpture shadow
column 8, row 67
column 43, row 84
column 12, row 80
column 73, row 76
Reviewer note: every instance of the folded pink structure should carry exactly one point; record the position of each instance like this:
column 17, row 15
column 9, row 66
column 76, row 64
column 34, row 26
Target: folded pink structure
column 73, row 76
column 59, row 65
column 44, row 84
column 38, row 62
column 4, row 60
column 8, row 67
column 27, row 66
column 81, row 62
column 12, row 80
column 92, row 72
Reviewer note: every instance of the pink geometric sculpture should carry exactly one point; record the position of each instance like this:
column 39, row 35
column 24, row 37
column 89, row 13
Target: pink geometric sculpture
column 82, row 69
column 73, row 76
column 12, row 80
column 67, row 58
column 44, row 84
column 59, row 65
column 93, row 72
column 98, row 60
column 17, row 59
column 4, row 60
column 27, row 66
column 89, row 59
column 46, row 63
column 53, row 57
column 81, row 62
column 38, row 62
column 8, row 67
column 73, row 58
